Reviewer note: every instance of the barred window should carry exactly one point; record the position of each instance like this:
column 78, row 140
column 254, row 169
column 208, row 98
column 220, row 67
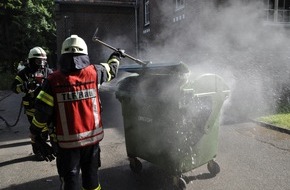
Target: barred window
column 146, row 13
column 179, row 4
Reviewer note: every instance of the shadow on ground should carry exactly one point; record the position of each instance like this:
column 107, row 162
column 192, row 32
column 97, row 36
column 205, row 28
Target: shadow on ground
column 120, row 177
column 49, row 183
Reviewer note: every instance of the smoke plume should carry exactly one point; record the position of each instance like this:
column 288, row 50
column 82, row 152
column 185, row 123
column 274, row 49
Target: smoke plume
column 235, row 42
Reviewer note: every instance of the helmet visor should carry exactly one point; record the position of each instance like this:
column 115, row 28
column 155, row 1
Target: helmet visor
column 40, row 62
column 74, row 50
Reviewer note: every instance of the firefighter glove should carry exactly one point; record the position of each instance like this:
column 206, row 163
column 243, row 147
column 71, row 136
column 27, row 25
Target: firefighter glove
column 119, row 53
column 31, row 85
column 45, row 149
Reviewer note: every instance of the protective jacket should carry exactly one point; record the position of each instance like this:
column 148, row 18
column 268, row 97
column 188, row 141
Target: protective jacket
column 71, row 100
column 77, row 95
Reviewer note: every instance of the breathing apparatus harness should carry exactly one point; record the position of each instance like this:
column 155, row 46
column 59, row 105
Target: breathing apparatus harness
column 33, row 82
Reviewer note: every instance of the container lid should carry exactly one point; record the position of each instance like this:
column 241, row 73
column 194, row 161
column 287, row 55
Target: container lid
column 157, row 68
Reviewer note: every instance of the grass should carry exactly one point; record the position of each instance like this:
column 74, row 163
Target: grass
column 280, row 120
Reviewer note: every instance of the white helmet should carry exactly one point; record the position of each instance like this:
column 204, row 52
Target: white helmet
column 37, row 52
column 74, row 44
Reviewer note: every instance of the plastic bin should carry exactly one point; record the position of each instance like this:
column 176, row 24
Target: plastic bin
column 171, row 119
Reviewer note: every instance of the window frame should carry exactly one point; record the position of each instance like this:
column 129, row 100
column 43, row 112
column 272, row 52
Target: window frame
column 179, row 5
column 146, row 12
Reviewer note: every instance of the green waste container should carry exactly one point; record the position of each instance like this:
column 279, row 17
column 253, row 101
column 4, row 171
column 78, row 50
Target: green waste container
column 171, row 119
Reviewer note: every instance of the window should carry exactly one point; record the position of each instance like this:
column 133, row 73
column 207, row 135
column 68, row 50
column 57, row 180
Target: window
column 179, row 4
column 277, row 11
column 146, row 13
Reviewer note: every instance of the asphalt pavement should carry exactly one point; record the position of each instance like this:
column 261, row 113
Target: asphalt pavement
column 250, row 157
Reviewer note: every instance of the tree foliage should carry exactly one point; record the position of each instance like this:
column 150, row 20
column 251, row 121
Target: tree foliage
column 25, row 24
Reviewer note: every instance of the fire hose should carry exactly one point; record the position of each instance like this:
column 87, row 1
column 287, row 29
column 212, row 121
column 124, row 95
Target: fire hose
column 17, row 120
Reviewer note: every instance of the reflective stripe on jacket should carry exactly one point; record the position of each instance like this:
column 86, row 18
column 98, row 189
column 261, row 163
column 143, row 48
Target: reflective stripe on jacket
column 77, row 108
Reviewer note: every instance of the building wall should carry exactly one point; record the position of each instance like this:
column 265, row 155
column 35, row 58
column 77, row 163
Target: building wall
column 115, row 23
column 167, row 34
column 121, row 24
column 168, row 26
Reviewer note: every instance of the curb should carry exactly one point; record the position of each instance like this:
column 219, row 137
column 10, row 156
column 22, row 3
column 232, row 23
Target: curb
column 273, row 127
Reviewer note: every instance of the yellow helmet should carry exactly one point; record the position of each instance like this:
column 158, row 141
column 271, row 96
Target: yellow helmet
column 74, row 44
column 37, row 52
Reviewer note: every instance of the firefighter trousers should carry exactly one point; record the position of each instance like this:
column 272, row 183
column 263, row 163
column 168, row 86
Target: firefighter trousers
column 71, row 161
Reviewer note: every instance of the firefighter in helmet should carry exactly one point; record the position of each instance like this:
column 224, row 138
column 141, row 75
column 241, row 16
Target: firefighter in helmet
column 70, row 98
column 28, row 80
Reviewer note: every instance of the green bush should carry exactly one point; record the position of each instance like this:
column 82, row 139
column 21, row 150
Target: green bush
column 284, row 108
column 283, row 102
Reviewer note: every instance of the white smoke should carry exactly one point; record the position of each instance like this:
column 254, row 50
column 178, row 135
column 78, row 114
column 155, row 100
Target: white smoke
column 234, row 42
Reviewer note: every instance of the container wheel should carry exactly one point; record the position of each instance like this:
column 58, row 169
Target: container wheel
column 135, row 165
column 213, row 167
column 179, row 183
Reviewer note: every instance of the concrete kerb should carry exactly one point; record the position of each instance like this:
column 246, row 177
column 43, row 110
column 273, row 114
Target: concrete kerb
column 271, row 126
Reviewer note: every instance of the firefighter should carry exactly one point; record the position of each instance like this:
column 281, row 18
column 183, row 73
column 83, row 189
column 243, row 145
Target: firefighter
column 29, row 80
column 71, row 99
